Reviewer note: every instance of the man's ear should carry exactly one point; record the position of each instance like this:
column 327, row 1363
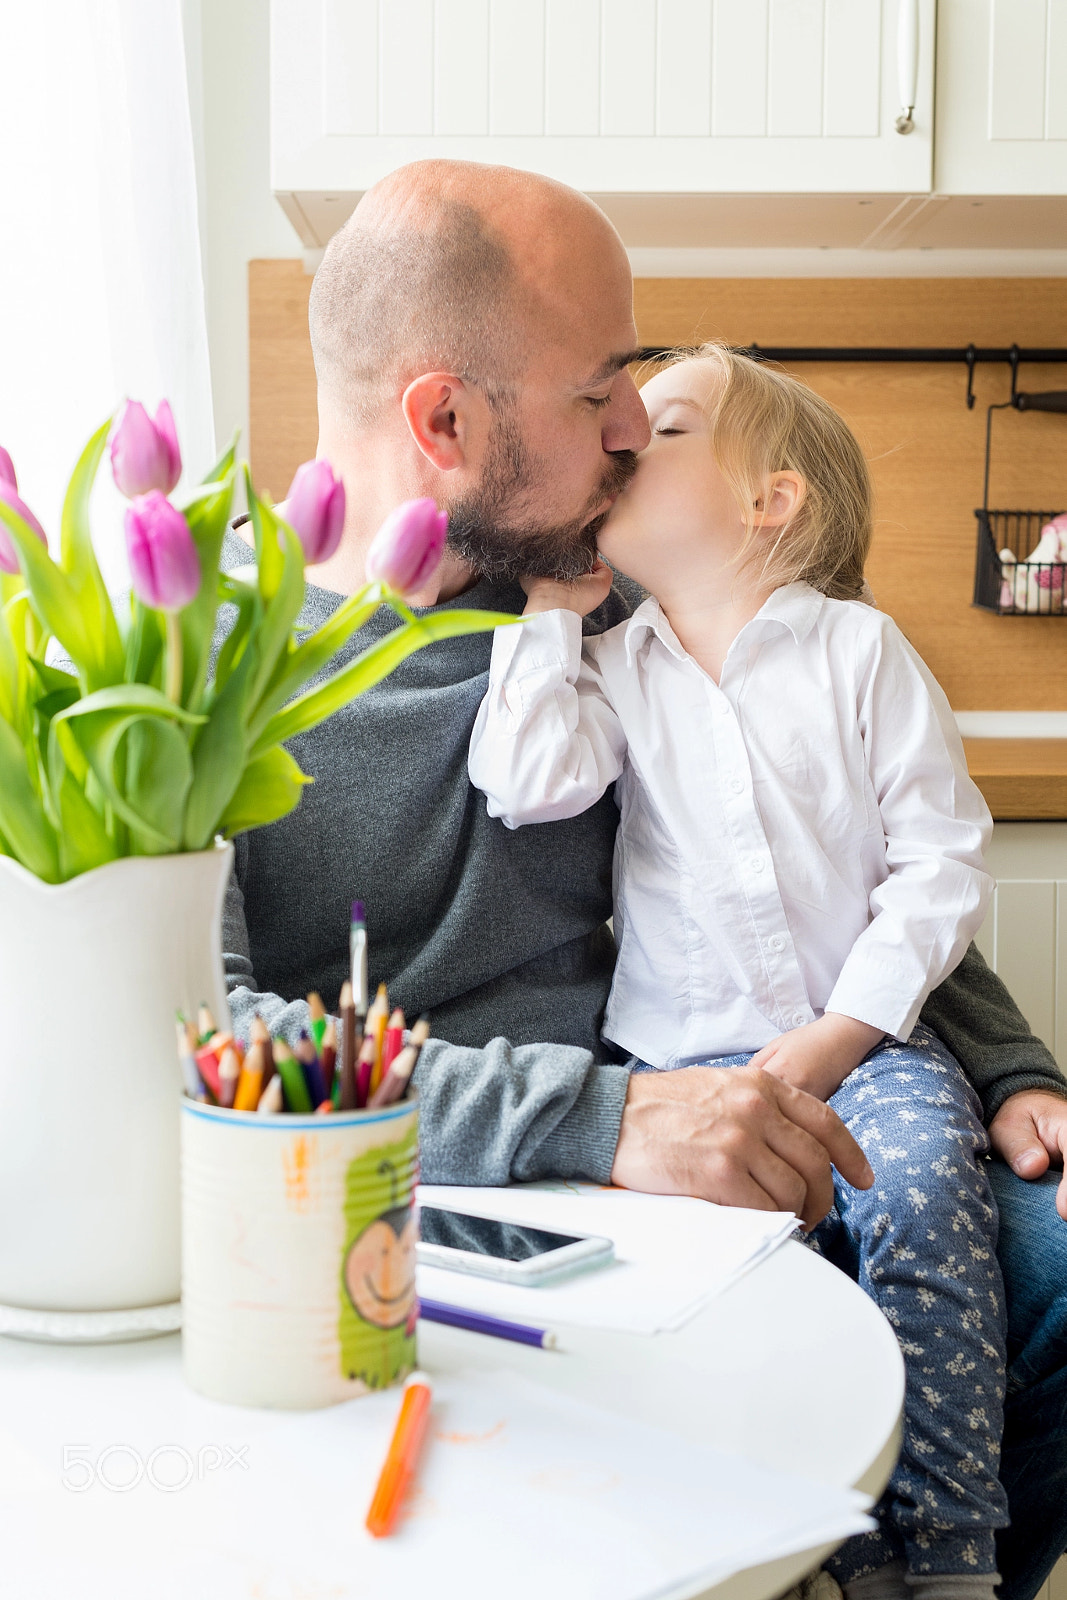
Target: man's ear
column 786, row 493
column 437, row 408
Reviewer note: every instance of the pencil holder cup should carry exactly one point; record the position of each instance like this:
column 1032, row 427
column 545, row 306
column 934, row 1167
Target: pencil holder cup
column 298, row 1253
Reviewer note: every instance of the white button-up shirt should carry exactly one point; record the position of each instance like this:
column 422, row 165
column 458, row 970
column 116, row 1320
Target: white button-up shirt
column 802, row 836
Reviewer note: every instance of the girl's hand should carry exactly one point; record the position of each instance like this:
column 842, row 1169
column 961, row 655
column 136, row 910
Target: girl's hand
column 581, row 596
column 819, row 1056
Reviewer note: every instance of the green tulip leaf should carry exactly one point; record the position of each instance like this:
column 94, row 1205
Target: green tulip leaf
column 207, row 516
column 159, row 773
column 270, row 558
column 29, row 834
column 269, row 789
column 54, row 597
column 78, row 560
column 369, row 668
column 225, row 464
column 139, row 697
column 84, row 842
column 276, row 627
column 315, row 651
column 245, row 600
column 219, row 756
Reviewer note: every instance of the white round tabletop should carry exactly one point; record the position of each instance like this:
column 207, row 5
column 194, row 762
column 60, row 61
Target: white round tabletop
column 793, row 1367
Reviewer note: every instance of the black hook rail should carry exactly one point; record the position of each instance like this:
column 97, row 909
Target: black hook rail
column 969, row 355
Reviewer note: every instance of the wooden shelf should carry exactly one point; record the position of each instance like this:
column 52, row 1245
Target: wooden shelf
column 1021, row 779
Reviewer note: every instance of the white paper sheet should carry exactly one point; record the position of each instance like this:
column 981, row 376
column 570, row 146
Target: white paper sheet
column 521, row 1492
column 671, row 1254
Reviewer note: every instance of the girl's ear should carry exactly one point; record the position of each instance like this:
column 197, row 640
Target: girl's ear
column 786, row 492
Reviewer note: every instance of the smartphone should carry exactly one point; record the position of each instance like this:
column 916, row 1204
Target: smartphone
column 512, row 1252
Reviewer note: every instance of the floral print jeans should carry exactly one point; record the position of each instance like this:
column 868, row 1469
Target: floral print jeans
column 922, row 1243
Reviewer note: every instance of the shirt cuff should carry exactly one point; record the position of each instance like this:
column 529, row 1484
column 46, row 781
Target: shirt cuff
column 545, row 641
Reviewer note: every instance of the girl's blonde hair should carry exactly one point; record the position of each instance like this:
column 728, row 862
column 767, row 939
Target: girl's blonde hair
column 762, row 421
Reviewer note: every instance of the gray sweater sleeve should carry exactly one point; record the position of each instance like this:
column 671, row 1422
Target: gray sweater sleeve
column 977, row 1018
column 507, row 1113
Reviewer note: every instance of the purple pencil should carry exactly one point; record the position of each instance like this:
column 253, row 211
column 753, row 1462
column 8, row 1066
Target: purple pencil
column 477, row 1322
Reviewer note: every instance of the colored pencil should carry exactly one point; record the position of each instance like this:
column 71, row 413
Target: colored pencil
column 205, row 1024
column 351, row 1039
column 328, row 1056
column 229, row 1073
column 317, row 1017
column 270, row 1101
column 357, row 956
column 207, row 1064
column 475, row 1322
column 261, row 1035
column 374, row 1028
column 394, row 1040
column 403, row 1455
column 292, row 1075
column 191, row 1079
column 394, row 1085
column 309, row 1063
column 250, row 1083
column 365, row 1071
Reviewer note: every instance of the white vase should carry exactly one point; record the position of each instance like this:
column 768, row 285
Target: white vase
column 92, row 972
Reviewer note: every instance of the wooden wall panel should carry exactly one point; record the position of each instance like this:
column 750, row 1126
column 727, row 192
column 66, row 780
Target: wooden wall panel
column 925, row 447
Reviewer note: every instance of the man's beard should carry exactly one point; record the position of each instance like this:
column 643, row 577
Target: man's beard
column 480, row 526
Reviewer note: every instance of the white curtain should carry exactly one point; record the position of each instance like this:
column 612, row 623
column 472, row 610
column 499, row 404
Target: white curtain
column 101, row 292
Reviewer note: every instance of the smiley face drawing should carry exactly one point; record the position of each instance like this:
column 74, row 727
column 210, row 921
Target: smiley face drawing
column 379, row 1270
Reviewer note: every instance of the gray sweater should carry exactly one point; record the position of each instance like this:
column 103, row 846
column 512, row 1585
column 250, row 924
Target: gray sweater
column 501, row 935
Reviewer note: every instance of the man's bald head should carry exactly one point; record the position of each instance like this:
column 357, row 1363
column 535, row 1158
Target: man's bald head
column 447, row 266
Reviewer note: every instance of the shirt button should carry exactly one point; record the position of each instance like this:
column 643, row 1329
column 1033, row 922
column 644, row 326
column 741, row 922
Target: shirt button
column 799, row 1018
column 758, row 863
column 776, row 943
column 737, row 785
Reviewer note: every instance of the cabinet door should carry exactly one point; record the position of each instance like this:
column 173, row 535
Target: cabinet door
column 612, row 96
column 1001, row 97
column 1024, row 936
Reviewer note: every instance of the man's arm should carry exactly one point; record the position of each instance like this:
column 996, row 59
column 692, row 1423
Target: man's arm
column 513, row 1113
column 977, row 1018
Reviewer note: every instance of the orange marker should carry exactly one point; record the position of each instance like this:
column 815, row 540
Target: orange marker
column 403, row 1456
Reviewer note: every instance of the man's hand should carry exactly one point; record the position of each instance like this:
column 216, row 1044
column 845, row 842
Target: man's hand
column 819, row 1056
column 736, row 1136
column 581, row 596
column 1029, row 1132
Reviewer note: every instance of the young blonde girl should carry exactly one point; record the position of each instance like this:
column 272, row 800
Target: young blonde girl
column 798, row 863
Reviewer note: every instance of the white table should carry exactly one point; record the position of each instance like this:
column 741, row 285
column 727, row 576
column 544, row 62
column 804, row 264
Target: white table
column 793, row 1366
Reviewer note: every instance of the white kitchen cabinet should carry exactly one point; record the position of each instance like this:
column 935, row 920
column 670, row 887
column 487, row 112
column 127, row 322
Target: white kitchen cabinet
column 611, row 96
column 1001, row 122
column 1024, row 937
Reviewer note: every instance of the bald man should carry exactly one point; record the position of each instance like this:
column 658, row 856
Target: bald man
column 473, row 331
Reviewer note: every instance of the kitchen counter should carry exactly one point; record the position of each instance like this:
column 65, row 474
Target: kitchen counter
column 1021, row 779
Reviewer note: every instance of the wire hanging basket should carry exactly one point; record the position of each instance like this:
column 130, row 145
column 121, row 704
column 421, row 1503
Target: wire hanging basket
column 1020, row 565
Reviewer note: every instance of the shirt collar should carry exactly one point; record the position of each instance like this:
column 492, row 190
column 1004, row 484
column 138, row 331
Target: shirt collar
column 795, row 606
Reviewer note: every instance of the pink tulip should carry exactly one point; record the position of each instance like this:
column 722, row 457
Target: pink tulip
column 164, row 563
column 9, row 561
column 7, row 469
column 408, row 546
column 315, row 509
column 145, row 454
